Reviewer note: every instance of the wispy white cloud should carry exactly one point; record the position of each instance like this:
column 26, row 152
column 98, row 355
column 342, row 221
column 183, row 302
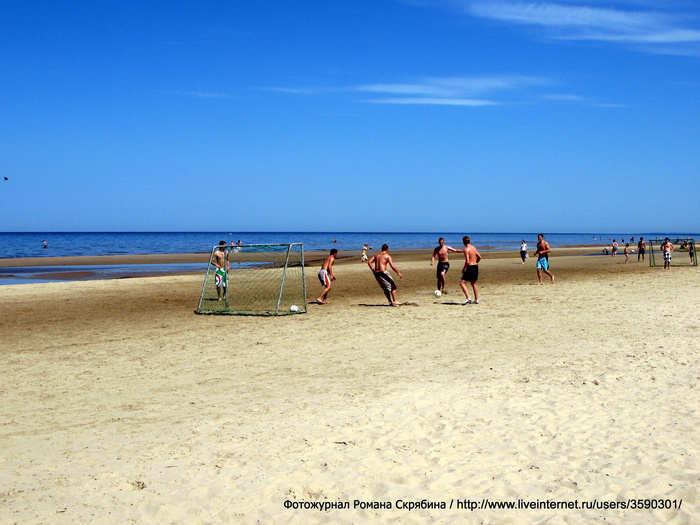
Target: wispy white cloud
column 202, row 94
column 585, row 22
column 433, row 101
column 453, row 91
column 563, row 98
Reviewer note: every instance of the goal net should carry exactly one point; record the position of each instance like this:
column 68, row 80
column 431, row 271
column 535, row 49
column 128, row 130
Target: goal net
column 264, row 279
column 683, row 252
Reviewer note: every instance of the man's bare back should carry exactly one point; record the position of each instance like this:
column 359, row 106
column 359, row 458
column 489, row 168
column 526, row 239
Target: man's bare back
column 381, row 260
column 471, row 255
column 378, row 264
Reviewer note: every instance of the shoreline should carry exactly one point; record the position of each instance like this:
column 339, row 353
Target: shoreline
column 41, row 270
column 182, row 258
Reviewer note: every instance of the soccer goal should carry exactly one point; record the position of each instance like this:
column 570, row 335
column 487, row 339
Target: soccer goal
column 264, row 279
column 683, row 252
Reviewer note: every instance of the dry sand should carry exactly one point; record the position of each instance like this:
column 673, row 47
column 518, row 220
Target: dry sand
column 120, row 405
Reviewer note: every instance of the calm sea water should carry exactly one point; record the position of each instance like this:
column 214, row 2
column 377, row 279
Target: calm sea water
column 15, row 245
column 137, row 243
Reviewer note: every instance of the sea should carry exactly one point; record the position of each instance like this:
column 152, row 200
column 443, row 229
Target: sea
column 69, row 244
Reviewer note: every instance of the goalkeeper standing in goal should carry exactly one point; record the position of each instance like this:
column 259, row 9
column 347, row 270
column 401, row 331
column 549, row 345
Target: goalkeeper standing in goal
column 220, row 259
column 325, row 275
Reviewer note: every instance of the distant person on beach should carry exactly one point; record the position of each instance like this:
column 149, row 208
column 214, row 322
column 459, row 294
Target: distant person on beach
column 364, row 258
column 325, row 275
column 627, row 253
column 523, row 250
column 470, row 271
column 691, row 251
column 667, row 249
column 45, row 244
column 378, row 264
column 443, row 262
column 220, row 259
column 543, row 251
column 641, row 248
column 614, row 248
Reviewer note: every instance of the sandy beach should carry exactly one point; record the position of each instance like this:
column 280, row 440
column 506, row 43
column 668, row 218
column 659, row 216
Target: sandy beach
column 120, row 405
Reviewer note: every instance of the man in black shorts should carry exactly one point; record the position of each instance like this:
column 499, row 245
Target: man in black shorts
column 641, row 249
column 470, row 272
column 443, row 262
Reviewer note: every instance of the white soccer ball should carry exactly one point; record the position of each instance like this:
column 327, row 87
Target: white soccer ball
column 294, row 308
column 438, row 293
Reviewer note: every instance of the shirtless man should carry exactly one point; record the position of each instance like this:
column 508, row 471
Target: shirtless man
column 667, row 249
column 470, row 272
column 543, row 251
column 220, row 259
column 443, row 262
column 641, row 248
column 325, row 275
column 378, row 264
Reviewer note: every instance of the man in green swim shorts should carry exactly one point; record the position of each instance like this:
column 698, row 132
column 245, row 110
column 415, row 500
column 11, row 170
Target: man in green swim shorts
column 220, row 259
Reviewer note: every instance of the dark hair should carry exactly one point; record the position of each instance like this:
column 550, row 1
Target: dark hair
column 385, row 247
column 222, row 243
column 466, row 240
column 334, row 251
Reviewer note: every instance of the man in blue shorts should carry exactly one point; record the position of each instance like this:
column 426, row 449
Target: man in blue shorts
column 543, row 251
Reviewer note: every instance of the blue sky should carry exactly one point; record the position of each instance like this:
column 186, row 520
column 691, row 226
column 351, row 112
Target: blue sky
column 356, row 115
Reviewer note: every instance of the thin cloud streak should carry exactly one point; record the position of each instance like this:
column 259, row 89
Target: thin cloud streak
column 434, row 101
column 202, row 94
column 589, row 23
column 453, row 91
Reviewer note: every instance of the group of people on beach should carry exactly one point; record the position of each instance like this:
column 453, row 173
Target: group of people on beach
column 667, row 249
column 380, row 262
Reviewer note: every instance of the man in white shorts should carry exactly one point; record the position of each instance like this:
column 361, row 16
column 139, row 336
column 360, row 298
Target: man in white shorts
column 325, row 275
column 667, row 249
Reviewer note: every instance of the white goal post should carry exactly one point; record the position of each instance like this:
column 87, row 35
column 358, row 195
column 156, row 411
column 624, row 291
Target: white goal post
column 264, row 279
